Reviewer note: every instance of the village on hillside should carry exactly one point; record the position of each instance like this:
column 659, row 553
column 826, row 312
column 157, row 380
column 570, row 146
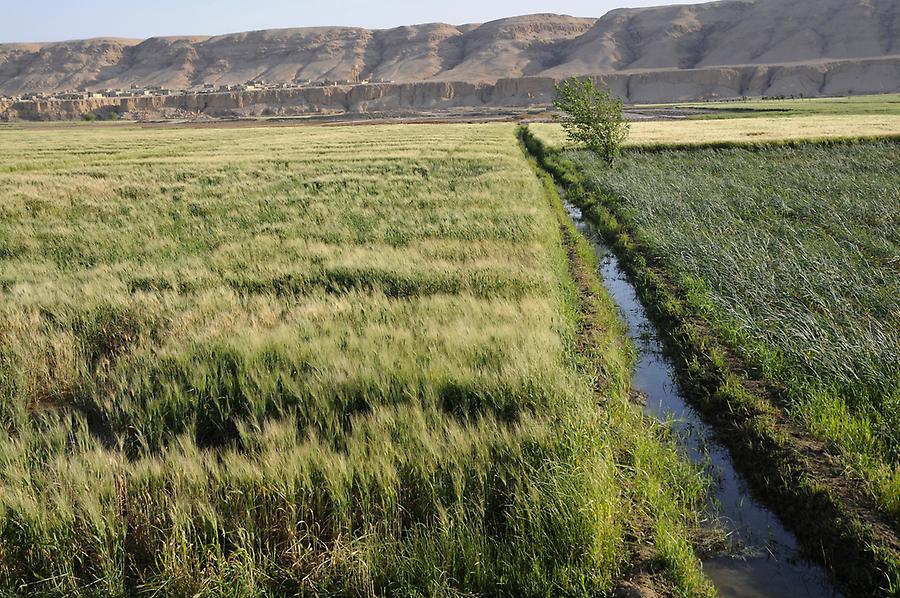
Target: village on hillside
column 136, row 91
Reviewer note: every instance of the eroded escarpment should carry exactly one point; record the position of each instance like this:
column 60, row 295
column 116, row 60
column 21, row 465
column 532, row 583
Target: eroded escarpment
column 699, row 36
column 806, row 80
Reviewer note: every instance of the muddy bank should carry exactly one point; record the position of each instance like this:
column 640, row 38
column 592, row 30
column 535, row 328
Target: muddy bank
column 763, row 558
column 808, row 80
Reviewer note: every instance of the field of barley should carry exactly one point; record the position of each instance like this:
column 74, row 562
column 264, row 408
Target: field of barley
column 689, row 133
column 310, row 361
column 791, row 253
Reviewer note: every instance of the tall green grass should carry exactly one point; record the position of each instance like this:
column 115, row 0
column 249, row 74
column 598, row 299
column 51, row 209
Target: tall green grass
column 312, row 361
column 888, row 103
column 791, row 253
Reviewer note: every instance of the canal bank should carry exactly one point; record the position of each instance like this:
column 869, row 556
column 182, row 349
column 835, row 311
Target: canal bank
column 782, row 465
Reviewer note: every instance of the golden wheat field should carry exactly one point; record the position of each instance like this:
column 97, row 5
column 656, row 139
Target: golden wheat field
column 743, row 130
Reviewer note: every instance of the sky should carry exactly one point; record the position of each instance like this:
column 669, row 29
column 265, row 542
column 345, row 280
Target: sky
column 56, row 20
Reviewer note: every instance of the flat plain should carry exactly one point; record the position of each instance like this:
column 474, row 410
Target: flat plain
column 305, row 361
column 865, row 105
column 757, row 121
column 741, row 131
column 378, row 361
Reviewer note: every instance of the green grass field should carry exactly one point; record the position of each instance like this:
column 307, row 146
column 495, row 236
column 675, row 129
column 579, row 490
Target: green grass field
column 885, row 104
column 309, row 361
column 866, row 105
column 791, row 254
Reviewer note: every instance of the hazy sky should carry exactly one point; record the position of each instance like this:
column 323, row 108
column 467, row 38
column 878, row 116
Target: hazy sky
column 53, row 20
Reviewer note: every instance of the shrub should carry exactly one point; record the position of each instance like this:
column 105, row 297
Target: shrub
column 593, row 117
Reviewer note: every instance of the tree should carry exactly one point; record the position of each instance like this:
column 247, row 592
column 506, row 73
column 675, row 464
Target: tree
column 593, row 117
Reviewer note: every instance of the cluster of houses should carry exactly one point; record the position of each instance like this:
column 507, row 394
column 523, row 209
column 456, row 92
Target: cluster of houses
column 255, row 85
column 86, row 94
column 153, row 90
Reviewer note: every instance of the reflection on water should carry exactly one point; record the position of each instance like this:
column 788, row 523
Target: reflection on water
column 764, row 559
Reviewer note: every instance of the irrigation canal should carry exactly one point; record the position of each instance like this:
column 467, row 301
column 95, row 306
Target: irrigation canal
column 764, row 558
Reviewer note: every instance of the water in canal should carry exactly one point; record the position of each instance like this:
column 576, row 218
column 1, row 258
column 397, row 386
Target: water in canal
column 765, row 559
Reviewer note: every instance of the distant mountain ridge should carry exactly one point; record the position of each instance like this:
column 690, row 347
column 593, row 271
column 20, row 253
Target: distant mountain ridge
column 726, row 33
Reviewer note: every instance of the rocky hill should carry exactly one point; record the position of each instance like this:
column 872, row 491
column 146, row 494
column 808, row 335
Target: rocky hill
column 731, row 33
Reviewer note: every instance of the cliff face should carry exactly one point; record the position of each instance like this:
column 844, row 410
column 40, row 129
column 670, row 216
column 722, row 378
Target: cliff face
column 824, row 78
column 735, row 32
column 727, row 33
column 510, row 47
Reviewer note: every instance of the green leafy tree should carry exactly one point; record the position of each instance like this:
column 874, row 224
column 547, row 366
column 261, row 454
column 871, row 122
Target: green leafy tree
column 593, row 117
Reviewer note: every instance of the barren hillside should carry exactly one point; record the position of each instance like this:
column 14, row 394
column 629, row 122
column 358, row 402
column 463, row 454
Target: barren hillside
column 728, row 33
column 735, row 32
